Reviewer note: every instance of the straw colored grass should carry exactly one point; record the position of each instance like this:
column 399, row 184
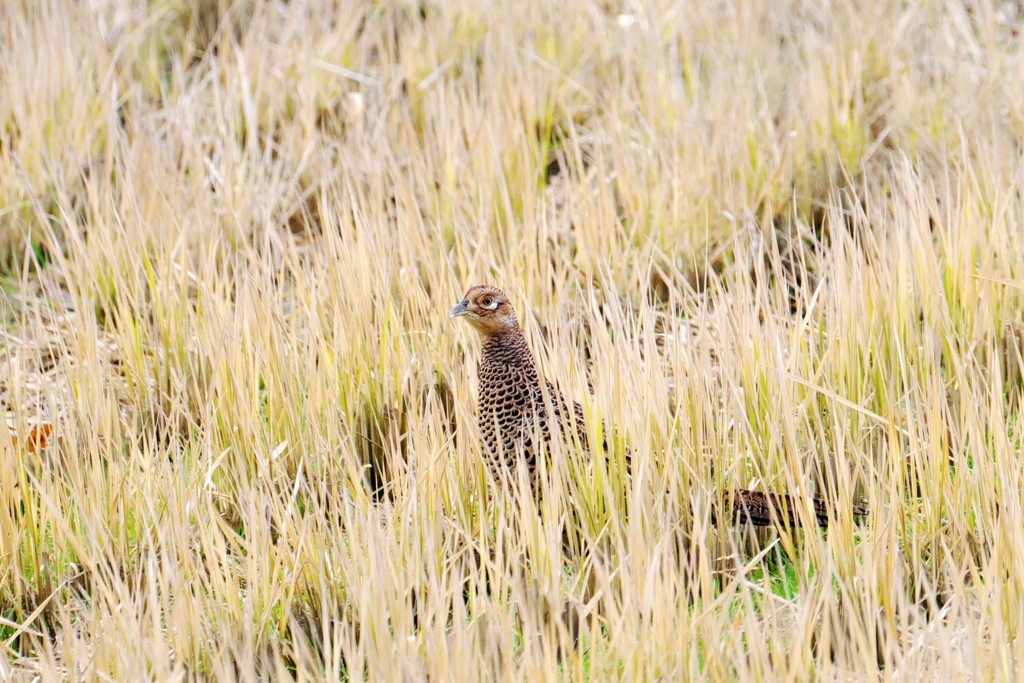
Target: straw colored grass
column 770, row 244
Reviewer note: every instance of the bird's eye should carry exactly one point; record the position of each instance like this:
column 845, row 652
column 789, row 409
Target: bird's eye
column 488, row 303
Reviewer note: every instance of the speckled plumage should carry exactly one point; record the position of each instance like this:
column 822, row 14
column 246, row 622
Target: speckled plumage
column 512, row 411
column 513, row 415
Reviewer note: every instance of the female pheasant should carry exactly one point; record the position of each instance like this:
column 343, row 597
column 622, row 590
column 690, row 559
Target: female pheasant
column 513, row 414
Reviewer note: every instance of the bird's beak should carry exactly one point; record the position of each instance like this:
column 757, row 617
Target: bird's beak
column 460, row 309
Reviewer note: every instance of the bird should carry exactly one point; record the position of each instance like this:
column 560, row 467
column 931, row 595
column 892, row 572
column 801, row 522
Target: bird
column 516, row 423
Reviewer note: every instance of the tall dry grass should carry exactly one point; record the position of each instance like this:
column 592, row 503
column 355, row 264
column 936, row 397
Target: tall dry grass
column 776, row 245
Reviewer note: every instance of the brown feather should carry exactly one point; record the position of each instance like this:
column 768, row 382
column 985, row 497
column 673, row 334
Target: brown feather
column 512, row 411
column 768, row 509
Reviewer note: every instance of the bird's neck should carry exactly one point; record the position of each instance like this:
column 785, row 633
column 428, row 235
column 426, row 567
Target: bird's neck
column 506, row 348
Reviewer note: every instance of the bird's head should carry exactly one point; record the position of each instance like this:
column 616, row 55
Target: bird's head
column 487, row 309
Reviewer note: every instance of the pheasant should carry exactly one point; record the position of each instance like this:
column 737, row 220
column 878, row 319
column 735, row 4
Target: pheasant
column 513, row 413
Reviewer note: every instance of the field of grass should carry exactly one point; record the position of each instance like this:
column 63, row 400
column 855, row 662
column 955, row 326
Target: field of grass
column 776, row 245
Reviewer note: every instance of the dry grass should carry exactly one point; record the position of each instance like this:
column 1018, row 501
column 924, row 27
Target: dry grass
column 775, row 244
